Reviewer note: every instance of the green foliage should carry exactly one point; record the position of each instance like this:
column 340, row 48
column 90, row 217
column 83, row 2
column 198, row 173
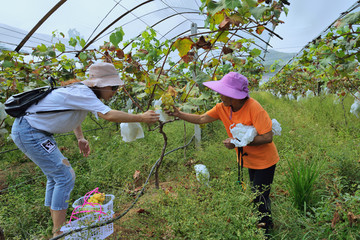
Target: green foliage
column 341, row 210
column 220, row 212
column 301, row 180
column 331, row 61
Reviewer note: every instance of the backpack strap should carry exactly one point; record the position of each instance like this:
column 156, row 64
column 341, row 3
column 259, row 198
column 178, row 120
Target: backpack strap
column 52, row 82
column 240, row 168
column 53, row 87
column 52, row 111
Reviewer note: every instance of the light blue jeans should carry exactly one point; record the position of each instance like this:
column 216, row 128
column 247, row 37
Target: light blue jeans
column 42, row 149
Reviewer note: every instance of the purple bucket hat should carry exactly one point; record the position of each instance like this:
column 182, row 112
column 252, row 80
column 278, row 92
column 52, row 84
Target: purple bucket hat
column 232, row 85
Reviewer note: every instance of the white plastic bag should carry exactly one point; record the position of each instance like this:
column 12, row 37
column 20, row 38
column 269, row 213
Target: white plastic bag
column 355, row 107
column 243, row 135
column 276, row 127
column 202, row 174
column 3, row 115
column 290, row 96
column 131, row 131
column 309, row 94
column 163, row 116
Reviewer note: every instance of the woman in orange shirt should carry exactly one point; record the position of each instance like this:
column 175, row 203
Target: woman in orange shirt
column 259, row 156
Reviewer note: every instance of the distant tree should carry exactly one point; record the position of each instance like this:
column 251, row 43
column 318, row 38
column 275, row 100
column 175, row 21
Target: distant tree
column 73, row 33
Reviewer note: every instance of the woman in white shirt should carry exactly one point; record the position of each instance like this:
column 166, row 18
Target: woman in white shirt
column 33, row 133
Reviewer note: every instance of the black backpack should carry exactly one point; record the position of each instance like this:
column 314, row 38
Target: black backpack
column 17, row 104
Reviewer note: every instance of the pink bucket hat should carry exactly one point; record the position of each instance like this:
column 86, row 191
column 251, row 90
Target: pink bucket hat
column 103, row 75
column 232, row 85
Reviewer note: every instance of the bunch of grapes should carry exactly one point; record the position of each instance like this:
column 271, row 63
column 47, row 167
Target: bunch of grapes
column 167, row 101
column 97, row 198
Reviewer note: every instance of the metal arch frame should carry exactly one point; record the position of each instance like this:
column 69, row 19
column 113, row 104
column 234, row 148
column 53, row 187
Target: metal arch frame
column 42, row 20
column 176, row 14
column 116, row 20
column 172, row 8
column 176, row 27
column 61, row 2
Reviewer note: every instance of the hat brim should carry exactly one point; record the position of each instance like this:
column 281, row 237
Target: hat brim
column 225, row 90
column 112, row 80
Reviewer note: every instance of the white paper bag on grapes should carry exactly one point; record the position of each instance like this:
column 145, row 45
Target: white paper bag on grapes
column 157, row 106
column 131, row 131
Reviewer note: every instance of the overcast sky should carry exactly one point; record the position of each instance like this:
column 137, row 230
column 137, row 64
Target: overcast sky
column 305, row 21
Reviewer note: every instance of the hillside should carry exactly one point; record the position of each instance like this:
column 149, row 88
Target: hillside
column 273, row 55
column 270, row 59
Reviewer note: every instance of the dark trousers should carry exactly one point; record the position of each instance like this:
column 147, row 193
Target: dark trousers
column 261, row 180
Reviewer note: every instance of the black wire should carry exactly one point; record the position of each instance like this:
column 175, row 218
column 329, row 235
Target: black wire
column 11, row 30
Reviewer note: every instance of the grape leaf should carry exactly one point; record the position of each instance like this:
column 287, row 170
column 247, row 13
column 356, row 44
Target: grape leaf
column 202, row 77
column 222, row 36
column 60, row 47
column 350, row 19
column 214, row 7
column 183, row 45
column 258, row 11
column 250, row 3
column 117, row 37
column 202, row 43
column 7, row 64
column 42, row 48
column 255, row 52
column 82, row 56
column 72, row 42
column 260, row 29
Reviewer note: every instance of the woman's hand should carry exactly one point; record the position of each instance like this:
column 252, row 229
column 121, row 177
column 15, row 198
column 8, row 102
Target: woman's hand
column 228, row 144
column 175, row 112
column 84, row 147
column 150, row 117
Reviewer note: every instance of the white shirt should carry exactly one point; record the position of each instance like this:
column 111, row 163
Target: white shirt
column 78, row 97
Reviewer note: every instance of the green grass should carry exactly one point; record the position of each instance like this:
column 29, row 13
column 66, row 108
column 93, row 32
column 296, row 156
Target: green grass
column 315, row 132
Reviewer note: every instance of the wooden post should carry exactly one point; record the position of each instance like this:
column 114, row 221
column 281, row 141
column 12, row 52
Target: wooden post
column 197, row 135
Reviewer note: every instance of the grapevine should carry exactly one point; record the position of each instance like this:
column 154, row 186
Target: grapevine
column 330, row 63
column 144, row 62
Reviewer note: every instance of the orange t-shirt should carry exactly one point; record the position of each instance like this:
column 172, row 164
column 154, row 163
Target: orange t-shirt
column 251, row 113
